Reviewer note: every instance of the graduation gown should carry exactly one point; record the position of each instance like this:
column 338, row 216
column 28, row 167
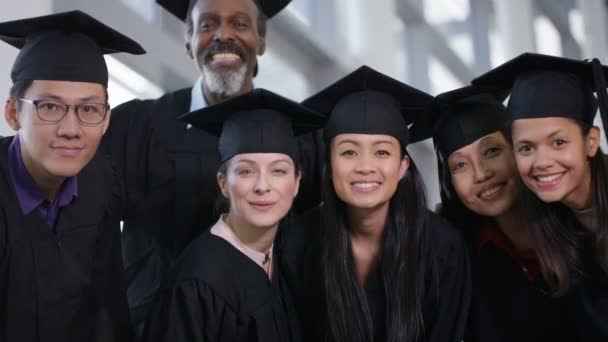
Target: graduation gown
column 588, row 301
column 216, row 293
column 506, row 306
column 63, row 286
column 448, row 291
column 169, row 173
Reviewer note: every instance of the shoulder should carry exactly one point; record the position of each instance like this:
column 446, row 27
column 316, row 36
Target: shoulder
column 446, row 242
column 179, row 98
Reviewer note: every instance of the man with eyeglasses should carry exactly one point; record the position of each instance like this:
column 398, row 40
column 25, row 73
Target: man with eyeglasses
column 61, row 275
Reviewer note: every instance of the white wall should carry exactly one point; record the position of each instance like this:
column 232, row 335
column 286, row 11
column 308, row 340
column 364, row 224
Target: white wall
column 8, row 53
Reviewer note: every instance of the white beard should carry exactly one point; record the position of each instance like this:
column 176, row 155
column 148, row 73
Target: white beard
column 227, row 84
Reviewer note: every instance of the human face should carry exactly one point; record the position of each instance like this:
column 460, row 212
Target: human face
column 484, row 175
column 366, row 169
column 225, row 44
column 552, row 159
column 260, row 187
column 56, row 150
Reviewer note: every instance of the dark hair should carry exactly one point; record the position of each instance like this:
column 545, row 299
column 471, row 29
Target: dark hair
column 403, row 264
column 599, row 186
column 222, row 204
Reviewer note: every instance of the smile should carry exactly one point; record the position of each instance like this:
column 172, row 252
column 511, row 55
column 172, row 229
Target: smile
column 225, row 57
column 365, row 186
column 547, row 181
column 492, row 192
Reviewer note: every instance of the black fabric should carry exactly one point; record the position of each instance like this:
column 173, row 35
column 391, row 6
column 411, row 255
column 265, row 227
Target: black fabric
column 445, row 304
column 368, row 102
column 507, row 307
column 259, row 121
column 548, row 86
column 68, row 285
column 180, row 8
column 462, row 116
column 67, row 46
column 169, row 174
column 216, row 293
column 588, row 301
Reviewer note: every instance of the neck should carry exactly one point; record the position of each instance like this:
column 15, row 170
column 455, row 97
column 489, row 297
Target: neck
column 215, row 98
column 48, row 184
column 260, row 239
column 366, row 230
column 510, row 224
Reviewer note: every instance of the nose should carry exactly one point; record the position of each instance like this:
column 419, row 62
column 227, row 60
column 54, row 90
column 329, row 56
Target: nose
column 69, row 126
column 542, row 160
column 223, row 33
column 261, row 185
column 481, row 171
column 365, row 165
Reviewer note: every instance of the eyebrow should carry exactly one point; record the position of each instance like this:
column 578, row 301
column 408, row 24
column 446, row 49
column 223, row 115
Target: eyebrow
column 249, row 161
column 59, row 98
column 553, row 134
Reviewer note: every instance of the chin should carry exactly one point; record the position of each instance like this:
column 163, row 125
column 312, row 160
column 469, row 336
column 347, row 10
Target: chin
column 64, row 170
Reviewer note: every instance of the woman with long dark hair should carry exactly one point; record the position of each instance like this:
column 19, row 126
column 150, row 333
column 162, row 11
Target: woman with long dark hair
column 479, row 191
column 228, row 285
column 373, row 264
column 556, row 147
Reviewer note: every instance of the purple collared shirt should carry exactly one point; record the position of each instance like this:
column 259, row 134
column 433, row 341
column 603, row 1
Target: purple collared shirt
column 30, row 197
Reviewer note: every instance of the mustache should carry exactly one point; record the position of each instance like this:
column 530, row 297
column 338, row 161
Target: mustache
column 225, row 47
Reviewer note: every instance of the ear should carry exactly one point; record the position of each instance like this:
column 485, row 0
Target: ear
column 261, row 46
column 10, row 114
column 592, row 141
column 404, row 165
column 189, row 51
column 106, row 121
column 221, row 182
column 297, row 188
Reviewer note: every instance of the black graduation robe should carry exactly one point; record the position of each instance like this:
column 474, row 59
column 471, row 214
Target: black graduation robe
column 169, row 173
column 507, row 307
column 447, row 297
column 218, row 294
column 68, row 285
column 588, row 301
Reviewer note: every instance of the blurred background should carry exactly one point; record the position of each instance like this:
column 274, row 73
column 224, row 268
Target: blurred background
column 434, row 45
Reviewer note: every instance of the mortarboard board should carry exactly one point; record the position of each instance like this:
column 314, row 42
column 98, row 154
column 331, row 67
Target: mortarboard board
column 550, row 86
column 259, row 121
column 460, row 117
column 368, row 102
column 180, row 8
column 66, row 46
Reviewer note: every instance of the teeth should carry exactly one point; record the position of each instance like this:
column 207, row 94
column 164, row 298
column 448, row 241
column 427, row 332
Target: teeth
column 549, row 178
column 366, row 185
column 226, row 56
column 490, row 192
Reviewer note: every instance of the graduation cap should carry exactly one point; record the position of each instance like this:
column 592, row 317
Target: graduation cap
column 549, row 86
column 462, row 116
column 180, row 8
column 66, row 46
column 368, row 102
column 259, row 121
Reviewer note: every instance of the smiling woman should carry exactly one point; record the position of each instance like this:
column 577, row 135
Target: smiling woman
column 373, row 264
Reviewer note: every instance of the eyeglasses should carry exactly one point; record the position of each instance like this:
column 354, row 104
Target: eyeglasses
column 55, row 111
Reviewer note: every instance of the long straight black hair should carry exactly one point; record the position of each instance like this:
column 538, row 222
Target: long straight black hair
column 403, row 264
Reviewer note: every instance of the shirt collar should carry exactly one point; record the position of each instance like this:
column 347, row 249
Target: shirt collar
column 28, row 194
column 222, row 230
column 197, row 98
